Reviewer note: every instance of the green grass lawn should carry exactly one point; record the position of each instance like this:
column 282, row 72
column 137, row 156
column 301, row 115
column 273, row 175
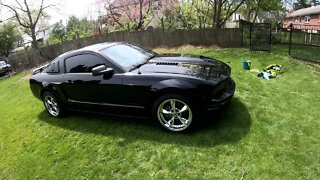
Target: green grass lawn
column 270, row 130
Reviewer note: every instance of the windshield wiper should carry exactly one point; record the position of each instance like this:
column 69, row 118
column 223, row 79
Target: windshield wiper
column 154, row 55
column 140, row 64
column 137, row 66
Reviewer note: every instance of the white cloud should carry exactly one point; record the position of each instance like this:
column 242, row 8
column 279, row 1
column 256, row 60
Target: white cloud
column 79, row 8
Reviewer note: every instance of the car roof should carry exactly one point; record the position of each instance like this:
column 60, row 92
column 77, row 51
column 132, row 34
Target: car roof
column 100, row 46
column 94, row 47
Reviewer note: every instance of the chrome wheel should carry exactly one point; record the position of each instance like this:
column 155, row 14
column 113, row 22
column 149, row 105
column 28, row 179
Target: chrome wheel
column 174, row 115
column 51, row 105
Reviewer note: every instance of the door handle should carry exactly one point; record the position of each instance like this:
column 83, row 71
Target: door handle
column 70, row 81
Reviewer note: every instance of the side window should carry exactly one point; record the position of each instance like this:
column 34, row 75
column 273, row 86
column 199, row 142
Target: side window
column 83, row 63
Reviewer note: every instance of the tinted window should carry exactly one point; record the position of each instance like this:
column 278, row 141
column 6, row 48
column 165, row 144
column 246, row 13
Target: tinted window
column 83, row 63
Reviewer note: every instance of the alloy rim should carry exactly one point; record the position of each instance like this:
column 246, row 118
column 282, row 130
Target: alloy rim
column 51, row 105
column 174, row 114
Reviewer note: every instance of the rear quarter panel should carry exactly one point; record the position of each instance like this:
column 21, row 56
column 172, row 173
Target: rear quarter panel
column 41, row 82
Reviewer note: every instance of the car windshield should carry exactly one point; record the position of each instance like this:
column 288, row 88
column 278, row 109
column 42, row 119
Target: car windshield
column 128, row 56
column 2, row 63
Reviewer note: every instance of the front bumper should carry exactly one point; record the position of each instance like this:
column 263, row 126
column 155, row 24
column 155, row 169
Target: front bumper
column 4, row 70
column 223, row 98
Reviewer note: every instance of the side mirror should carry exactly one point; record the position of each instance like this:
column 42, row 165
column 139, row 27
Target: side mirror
column 103, row 70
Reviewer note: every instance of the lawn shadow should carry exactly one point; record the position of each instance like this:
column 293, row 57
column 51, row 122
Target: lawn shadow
column 227, row 126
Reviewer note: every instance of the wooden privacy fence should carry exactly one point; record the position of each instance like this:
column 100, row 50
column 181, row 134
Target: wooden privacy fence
column 150, row 39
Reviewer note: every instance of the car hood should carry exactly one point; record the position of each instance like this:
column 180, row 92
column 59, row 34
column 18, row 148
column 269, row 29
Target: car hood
column 190, row 65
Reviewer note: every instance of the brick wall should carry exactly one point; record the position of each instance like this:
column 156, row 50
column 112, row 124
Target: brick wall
column 313, row 24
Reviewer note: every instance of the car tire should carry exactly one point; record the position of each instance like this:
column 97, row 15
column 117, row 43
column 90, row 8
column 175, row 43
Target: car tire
column 173, row 113
column 53, row 106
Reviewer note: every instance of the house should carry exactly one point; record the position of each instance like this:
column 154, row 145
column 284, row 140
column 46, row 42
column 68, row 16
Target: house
column 262, row 17
column 305, row 19
column 42, row 37
column 234, row 20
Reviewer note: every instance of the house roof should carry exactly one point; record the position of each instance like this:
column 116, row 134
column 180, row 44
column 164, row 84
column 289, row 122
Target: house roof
column 305, row 11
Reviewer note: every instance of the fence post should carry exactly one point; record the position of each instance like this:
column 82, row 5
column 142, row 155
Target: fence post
column 250, row 30
column 270, row 38
column 241, row 26
column 290, row 38
column 162, row 24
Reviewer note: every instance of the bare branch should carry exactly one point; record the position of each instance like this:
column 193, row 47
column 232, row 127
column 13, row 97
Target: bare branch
column 233, row 11
column 16, row 14
column 114, row 17
column 28, row 17
column 39, row 13
column 20, row 7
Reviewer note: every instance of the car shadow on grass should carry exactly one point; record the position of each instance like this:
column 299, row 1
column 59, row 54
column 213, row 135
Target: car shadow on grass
column 223, row 127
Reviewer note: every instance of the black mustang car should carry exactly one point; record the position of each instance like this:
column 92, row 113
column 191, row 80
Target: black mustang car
column 125, row 78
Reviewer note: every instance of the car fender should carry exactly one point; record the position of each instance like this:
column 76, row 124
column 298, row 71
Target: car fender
column 174, row 86
column 172, row 83
column 53, row 87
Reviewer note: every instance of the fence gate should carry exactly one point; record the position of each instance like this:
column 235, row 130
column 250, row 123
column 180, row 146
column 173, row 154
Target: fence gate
column 256, row 36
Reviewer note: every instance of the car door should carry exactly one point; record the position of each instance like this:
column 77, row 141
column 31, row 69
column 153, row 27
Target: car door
column 81, row 87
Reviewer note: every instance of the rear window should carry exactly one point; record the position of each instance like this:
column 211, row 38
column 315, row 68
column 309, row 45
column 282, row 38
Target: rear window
column 52, row 67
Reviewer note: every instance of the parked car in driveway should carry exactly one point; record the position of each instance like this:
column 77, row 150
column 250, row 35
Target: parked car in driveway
column 4, row 68
column 122, row 77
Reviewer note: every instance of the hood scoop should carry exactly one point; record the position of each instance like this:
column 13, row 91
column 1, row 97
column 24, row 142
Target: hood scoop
column 167, row 63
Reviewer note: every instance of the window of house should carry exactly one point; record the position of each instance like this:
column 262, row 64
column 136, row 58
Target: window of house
column 307, row 19
column 83, row 63
column 236, row 17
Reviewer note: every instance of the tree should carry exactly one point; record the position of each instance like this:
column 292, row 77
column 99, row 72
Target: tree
column 9, row 36
column 223, row 9
column 131, row 14
column 58, row 33
column 192, row 14
column 300, row 4
column 78, row 28
column 186, row 14
column 28, row 16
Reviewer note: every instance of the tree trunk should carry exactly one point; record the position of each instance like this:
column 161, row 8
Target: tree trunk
column 34, row 38
column 214, row 13
column 218, row 14
column 247, row 18
column 256, row 12
column 255, row 15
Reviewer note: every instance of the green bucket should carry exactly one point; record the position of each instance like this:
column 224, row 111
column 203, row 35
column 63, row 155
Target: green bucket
column 246, row 64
